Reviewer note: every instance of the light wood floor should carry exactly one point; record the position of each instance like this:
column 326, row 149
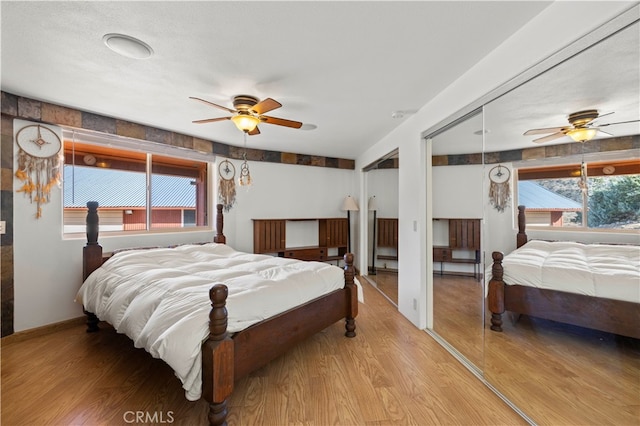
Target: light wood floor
column 387, row 283
column 458, row 314
column 556, row 374
column 390, row 373
column 561, row 374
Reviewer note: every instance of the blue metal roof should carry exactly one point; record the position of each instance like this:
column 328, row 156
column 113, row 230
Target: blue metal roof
column 120, row 188
column 534, row 196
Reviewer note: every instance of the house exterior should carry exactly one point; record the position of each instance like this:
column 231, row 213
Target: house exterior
column 122, row 199
column 544, row 207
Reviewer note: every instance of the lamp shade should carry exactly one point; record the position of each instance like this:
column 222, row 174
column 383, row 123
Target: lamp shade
column 582, row 134
column 349, row 204
column 245, row 122
column 373, row 204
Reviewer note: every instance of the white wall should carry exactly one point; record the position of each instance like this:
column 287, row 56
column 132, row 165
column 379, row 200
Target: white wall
column 48, row 267
column 457, row 192
column 286, row 191
column 540, row 38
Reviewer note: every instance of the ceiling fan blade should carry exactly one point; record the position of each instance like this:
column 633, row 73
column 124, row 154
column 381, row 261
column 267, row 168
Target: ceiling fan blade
column 602, row 131
column 211, row 120
column 546, row 130
column 281, row 122
column 214, row 105
column 266, row 105
column 550, row 137
column 255, row 131
column 619, row 122
column 603, row 115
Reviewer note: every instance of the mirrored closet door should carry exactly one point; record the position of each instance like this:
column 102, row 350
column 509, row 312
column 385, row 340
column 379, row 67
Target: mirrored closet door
column 554, row 372
column 483, row 167
column 382, row 225
column 457, row 208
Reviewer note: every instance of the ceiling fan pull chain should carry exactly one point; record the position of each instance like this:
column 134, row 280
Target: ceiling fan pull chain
column 245, row 175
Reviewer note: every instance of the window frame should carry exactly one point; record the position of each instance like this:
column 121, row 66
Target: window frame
column 626, row 162
column 144, row 152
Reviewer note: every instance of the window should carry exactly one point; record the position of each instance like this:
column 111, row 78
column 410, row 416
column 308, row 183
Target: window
column 556, row 196
column 136, row 191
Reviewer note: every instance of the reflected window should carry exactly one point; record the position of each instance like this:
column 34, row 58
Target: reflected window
column 593, row 195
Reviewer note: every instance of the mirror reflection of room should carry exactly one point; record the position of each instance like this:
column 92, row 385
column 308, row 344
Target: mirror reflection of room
column 565, row 187
column 382, row 224
column 457, row 208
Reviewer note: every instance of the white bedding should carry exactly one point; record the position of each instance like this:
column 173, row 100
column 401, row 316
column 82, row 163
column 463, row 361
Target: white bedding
column 606, row 271
column 160, row 297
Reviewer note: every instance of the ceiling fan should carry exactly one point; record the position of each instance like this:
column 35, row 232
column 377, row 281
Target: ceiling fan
column 581, row 127
column 248, row 113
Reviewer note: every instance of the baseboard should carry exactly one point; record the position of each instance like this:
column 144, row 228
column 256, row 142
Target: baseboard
column 386, row 270
column 460, row 274
column 23, row 335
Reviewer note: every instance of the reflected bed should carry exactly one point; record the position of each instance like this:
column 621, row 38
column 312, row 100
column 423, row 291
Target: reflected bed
column 595, row 286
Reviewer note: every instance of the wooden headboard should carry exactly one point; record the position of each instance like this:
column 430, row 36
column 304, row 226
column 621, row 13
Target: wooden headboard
column 92, row 255
column 521, row 238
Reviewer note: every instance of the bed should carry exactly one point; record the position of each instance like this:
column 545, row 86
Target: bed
column 596, row 286
column 230, row 346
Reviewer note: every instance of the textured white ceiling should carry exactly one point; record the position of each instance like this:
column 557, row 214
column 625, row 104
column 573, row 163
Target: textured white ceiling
column 341, row 66
column 605, row 77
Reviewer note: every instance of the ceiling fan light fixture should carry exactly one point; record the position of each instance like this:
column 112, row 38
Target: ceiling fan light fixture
column 245, row 122
column 582, row 134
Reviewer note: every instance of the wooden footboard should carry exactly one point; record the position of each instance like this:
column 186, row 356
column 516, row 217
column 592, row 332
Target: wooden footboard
column 226, row 359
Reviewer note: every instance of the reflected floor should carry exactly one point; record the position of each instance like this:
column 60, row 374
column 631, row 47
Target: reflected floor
column 555, row 373
column 562, row 374
column 457, row 314
column 387, row 283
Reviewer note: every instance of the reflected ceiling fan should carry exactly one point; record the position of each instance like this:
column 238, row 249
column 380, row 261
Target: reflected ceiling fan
column 248, row 113
column 581, row 128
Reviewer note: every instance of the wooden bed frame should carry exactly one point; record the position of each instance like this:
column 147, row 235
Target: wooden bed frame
column 613, row 316
column 228, row 358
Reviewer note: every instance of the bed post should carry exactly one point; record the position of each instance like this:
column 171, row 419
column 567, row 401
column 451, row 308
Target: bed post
column 352, row 294
column 217, row 358
column 91, row 257
column 521, row 238
column 219, row 237
column 496, row 292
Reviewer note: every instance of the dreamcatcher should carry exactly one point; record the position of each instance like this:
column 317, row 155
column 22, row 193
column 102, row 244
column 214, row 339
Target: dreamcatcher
column 227, row 185
column 499, row 192
column 39, row 161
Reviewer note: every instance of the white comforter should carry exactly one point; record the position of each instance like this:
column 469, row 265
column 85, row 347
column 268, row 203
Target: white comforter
column 160, row 297
column 607, row 271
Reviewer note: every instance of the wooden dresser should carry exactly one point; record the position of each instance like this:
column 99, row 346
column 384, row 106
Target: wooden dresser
column 464, row 234
column 269, row 236
column 388, row 237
